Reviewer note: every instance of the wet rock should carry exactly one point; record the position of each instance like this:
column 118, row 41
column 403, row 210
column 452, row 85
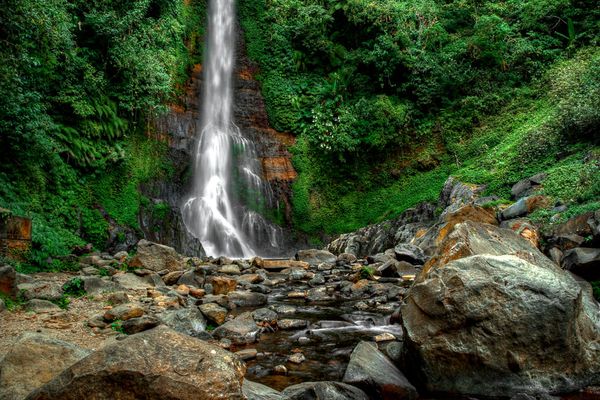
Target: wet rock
column 297, row 294
column 409, row 253
column 345, row 258
column 251, row 278
column 584, row 262
column 323, row 390
column 189, row 321
column 123, row 312
column 156, row 257
column 393, row 350
column 231, row 269
column 317, row 280
column 257, row 391
column 139, row 324
column 247, row 299
column 240, row 330
column 246, row 354
column 384, row 337
column 50, row 291
column 374, row 373
column 297, row 358
column 493, row 325
column 223, row 285
column 315, row 257
column 288, row 324
column 32, row 361
column 296, row 274
column 42, row 306
column 264, row 315
column 280, row 370
column 186, row 368
column 213, row 312
column 318, row 294
column 285, row 309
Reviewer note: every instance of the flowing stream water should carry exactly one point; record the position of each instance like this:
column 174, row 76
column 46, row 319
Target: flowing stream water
column 229, row 195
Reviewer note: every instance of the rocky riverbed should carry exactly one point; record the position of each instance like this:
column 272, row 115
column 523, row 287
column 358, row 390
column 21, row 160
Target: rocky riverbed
column 461, row 303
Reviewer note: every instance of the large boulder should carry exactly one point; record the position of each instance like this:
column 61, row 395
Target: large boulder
column 430, row 240
column 315, row 257
column 155, row 364
column 323, row 390
column 456, row 194
column 189, row 321
column 32, row 361
column 501, row 325
column 373, row 372
column 472, row 238
column 156, row 257
column 45, row 290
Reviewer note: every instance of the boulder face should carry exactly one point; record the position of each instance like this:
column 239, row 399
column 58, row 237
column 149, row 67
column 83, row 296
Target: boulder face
column 374, row 373
column 323, row 390
column 501, row 325
column 156, row 257
column 472, row 238
column 33, row 361
column 315, row 257
column 155, row 364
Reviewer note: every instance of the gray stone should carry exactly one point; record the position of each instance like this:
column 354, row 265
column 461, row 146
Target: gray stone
column 42, row 306
column 325, row 390
column 156, row 257
column 315, row 257
column 189, row 321
column 155, row 364
column 374, row 373
column 456, row 194
column 133, row 282
column 287, row 324
column 257, row 391
column 264, row 315
column 97, row 285
column 50, row 291
column 584, row 262
column 296, row 274
column 247, row 299
column 515, row 210
column 410, row 253
column 527, row 186
column 241, row 330
column 32, row 361
column 117, row 298
column 231, row 269
column 499, row 325
column 316, row 280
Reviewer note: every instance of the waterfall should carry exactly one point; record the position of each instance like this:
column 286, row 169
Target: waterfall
column 228, row 191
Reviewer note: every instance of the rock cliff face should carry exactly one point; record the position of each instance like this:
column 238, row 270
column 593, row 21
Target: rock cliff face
column 178, row 128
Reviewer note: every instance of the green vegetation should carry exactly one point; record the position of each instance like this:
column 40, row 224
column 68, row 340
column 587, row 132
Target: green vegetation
column 388, row 98
column 78, row 81
column 366, row 272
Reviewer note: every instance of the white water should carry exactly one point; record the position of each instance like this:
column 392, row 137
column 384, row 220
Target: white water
column 225, row 162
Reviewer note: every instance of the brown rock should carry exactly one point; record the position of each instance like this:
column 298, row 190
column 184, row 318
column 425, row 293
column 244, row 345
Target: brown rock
column 214, row 312
column 525, row 229
column 223, row 285
column 8, row 281
column 172, row 277
column 155, row 364
column 197, row 293
column 156, row 257
column 123, row 312
column 34, row 360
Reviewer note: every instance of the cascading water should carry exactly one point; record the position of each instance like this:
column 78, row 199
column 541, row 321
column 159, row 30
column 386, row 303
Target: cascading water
column 228, row 189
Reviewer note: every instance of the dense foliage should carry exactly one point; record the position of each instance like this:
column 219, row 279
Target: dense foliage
column 78, row 80
column 378, row 92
